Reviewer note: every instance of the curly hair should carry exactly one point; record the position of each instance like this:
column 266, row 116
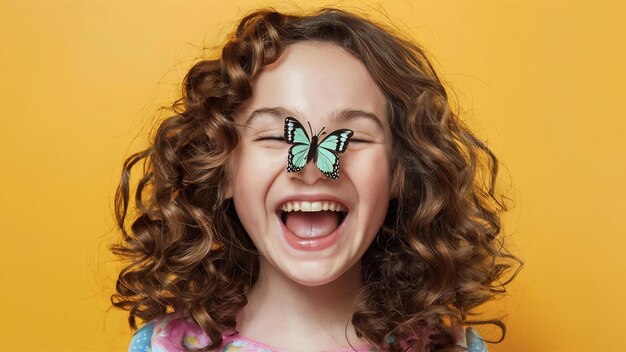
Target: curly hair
column 438, row 255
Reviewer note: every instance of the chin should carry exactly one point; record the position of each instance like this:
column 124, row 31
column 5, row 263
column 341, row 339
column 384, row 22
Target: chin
column 319, row 272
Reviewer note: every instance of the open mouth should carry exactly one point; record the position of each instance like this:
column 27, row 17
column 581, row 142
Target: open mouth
column 310, row 220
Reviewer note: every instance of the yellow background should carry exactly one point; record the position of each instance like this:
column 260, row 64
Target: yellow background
column 81, row 83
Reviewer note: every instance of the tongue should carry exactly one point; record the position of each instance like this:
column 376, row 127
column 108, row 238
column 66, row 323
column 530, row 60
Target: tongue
column 312, row 225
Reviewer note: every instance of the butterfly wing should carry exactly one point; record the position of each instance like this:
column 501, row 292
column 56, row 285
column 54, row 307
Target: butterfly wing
column 328, row 150
column 297, row 157
column 296, row 134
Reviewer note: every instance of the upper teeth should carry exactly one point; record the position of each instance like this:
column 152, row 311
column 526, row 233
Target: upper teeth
column 312, row 206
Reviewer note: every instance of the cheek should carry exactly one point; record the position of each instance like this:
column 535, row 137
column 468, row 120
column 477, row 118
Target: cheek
column 254, row 169
column 379, row 182
column 247, row 190
column 369, row 164
column 370, row 172
column 253, row 173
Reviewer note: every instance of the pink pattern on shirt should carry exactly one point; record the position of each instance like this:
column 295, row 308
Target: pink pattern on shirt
column 172, row 329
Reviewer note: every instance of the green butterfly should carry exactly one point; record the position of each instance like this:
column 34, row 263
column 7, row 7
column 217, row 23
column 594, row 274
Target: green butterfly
column 325, row 154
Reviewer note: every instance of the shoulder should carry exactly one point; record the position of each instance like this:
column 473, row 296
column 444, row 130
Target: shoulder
column 473, row 341
column 141, row 340
column 167, row 334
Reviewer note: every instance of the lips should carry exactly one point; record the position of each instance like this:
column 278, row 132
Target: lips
column 312, row 225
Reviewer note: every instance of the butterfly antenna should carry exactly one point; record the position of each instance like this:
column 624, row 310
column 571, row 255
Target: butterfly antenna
column 321, row 132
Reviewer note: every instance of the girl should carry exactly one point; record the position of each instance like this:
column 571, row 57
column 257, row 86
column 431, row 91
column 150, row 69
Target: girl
column 313, row 192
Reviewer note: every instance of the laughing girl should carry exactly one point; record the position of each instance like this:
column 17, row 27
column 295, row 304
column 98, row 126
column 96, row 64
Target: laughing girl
column 314, row 191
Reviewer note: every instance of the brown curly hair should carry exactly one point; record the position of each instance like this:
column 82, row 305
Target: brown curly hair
column 438, row 256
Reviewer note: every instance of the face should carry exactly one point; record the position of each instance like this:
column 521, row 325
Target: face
column 307, row 226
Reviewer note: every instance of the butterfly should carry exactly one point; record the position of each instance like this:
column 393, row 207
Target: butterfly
column 304, row 149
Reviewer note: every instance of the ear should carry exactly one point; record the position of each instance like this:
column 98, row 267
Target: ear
column 226, row 184
column 226, row 188
column 397, row 181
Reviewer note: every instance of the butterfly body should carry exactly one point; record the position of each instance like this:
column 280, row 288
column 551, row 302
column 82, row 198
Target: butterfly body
column 313, row 149
column 323, row 152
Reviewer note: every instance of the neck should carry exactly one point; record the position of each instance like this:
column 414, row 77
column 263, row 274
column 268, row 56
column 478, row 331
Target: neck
column 287, row 315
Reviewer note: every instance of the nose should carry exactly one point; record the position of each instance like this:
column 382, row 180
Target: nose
column 309, row 175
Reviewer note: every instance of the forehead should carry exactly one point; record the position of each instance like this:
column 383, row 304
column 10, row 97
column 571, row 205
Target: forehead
column 317, row 80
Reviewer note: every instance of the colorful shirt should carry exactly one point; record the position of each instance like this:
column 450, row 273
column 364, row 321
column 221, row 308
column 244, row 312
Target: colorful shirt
column 165, row 335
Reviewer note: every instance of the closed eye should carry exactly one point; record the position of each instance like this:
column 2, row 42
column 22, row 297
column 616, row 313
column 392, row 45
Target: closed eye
column 271, row 138
column 358, row 140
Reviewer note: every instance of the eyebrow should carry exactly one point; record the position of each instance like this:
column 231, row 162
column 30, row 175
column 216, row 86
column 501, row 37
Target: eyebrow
column 275, row 112
column 339, row 116
column 351, row 114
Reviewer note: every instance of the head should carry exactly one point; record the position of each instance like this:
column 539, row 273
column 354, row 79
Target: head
column 416, row 221
column 326, row 86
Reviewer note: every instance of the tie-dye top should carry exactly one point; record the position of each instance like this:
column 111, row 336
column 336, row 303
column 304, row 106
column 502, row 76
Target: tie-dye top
column 166, row 334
